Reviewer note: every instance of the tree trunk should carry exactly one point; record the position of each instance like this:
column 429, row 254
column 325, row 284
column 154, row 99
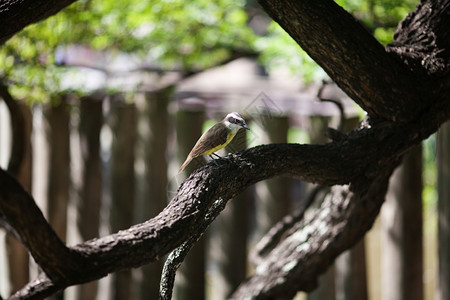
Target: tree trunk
column 18, row 256
column 190, row 279
column 90, row 189
column 443, row 168
column 152, row 193
column 123, row 126
column 401, row 218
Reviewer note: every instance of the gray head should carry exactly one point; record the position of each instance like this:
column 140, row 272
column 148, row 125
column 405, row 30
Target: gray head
column 234, row 120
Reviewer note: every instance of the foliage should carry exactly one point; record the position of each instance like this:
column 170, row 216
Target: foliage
column 379, row 16
column 174, row 33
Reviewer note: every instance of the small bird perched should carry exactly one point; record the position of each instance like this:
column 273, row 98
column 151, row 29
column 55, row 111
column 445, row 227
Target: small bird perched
column 216, row 137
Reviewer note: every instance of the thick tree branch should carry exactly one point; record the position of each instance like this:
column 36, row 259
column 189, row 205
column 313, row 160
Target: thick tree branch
column 313, row 244
column 176, row 257
column 356, row 158
column 16, row 14
column 20, row 211
column 351, row 56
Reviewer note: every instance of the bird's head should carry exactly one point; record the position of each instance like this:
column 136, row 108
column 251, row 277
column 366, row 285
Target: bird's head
column 234, row 121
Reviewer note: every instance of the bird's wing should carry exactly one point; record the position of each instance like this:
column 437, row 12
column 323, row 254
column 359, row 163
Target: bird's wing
column 209, row 140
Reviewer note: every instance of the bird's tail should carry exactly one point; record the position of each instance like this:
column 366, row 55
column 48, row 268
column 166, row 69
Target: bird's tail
column 187, row 161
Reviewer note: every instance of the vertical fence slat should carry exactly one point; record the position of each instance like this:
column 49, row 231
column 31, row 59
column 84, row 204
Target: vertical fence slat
column 350, row 267
column 273, row 195
column 443, row 167
column 190, row 279
column 401, row 217
column 123, row 126
column 58, row 136
column 90, row 189
column 228, row 244
column 326, row 288
column 153, row 134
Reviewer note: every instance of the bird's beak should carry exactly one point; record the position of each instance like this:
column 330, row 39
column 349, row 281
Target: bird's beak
column 245, row 126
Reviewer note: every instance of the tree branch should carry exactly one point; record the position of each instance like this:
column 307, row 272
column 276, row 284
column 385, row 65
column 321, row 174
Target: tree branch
column 177, row 256
column 16, row 14
column 351, row 56
column 355, row 158
column 313, row 244
column 20, row 211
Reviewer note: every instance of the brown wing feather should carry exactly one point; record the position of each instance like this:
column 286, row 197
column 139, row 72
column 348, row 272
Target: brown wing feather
column 212, row 138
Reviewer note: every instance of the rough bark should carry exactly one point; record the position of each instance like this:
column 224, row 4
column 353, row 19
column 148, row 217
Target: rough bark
column 384, row 81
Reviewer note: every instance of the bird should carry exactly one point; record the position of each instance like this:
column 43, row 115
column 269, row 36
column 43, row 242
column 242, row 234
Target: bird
column 216, row 137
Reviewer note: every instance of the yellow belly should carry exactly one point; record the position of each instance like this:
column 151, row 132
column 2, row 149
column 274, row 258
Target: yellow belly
column 230, row 136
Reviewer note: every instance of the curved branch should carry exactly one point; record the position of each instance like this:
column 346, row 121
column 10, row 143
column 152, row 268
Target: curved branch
column 22, row 214
column 351, row 56
column 177, row 256
column 358, row 157
column 313, row 244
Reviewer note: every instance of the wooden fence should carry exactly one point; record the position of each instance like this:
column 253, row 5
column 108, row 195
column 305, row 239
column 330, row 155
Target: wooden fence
column 104, row 162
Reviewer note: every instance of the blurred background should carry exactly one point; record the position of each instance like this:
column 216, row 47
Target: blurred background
column 116, row 93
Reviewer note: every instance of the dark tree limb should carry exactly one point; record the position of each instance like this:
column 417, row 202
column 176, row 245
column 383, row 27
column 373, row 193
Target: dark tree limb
column 278, row 232
column 350, row 55
column 354, row 159
column 177, row 256
column 16, row 14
